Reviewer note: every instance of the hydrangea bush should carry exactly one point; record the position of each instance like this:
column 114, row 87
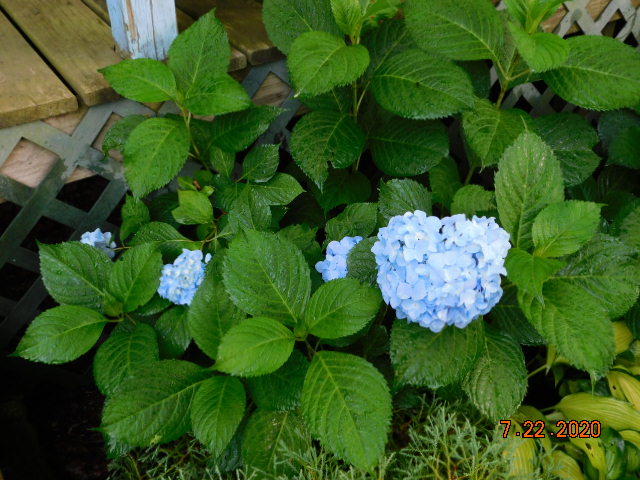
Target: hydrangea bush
column 223, row 318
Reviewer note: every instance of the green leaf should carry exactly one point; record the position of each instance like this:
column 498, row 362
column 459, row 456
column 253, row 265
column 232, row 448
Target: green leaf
column 281, row 389
column 498, row 382
column 529, row 272
column 625, row 148
column 249, row 212
column 304, row 238
column 135, row 214
column 76, row 274
column 194, row 208
column 337, row 390
column 572, row 139
column 326, row 136
column 388, row 38
column 357, row 219
column 541, row 50
column 342, row 187
column 528, row 179
column 630, row 229
column 286, row 20
column 601, row 73
column 266, row 275
column 169, row 241
column 234, row 132
column 136, row 276
column 472, row 199
column 117, row 135
column 281, row 189
column 340, row 308
column 217, row 96
column 223, row 162
column 423, row 358
column 142, row 80
column 444, row 180
column 320, row 61
column 470, row 30
column 361, row 262
column 489, row 130
column 212, row 314
column 398, row 196
column 480, row 74
column 562, row 228
column 530, row 13
column 61, row 334
column 261, row 163
column 200, row 54
column 348, row 15
column 254, row 347
column 508, row 317
column 403, row 147
column 154, row 153
column 173, row 332
column 217, row 409
column 612, row 124
column 415, row 84
column 152, row 406
column 126, row 350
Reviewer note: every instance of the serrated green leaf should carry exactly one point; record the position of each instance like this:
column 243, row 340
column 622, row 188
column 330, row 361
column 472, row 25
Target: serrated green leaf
column 529, row 272
column 630, row 229
column 541, row 50
column 61, row 334
column 136, row 275
column 348, row 15
column 194, row 208
column 223, row 162
column 304, row 238
column 217, row 409
column 320, row 61
column 281, row 389
column 423, row 358
column 530, row 13
column 326, row 136
column 361, row 262
column 625, row 148
column 508, row 317
column 498, row 382
column 217, row 96
column 169, row 241
column 261, row 163
column 154, row 153
column 134, row 215
column 173, row 332
column 403, row 147
column 398, row 196
column 444, row 180
column 117, row 135
column 388, row 38
column 142, row 80
column 480, row 74
column 281, row 189
column 342, row 187
column 337, row 390
column 528, row 179
column 357, row 219
column 601, row 73
column 612, row 124
column 254, row 347
column 152, row 406
column 470, row 30
column 249, row 211
column 76, row 274
column 415, row 84
column 126, row 350
column 472, row 199
column 562, row 228
column 489, row 130
column 234, row 132
column 339, row 99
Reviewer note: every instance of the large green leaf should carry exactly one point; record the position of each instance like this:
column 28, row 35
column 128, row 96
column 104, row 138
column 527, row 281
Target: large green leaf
column 152, row 406
column 319, row 61
column 249, row 212
column 528, row 179
column 357, row 219
column 134, row 215
column 403, row 147
column 361, row 262
column 498, row 382
column 472, row 199
column 601, row 73
column 234, row 132
column 76, row 274
column 399, row 196
column 266, row 275
column 261, row 163
column 423, row 358
column 346, row 404
column 630, row 228
column 349, row 15
column 61, row 334
column 326, row 136
column 194, row 208
column 217, row 96
column 625, row 148
column 386, row 39
column 342, row 187
column 444, row 180
column 419, row 85
column 154, row 153
column 508, row 317
column 282, row 189
column 541, row 50
column 256, row 346
column 217, row 409
column 470, row 30
column 169, row 241
column 173, row 332
column 303, row 237
column 136, row 276
column 127, row 349
column 142, row 80
column 529, row 272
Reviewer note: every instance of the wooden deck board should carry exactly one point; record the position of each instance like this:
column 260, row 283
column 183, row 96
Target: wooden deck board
column 73, row 39
column 29, row 90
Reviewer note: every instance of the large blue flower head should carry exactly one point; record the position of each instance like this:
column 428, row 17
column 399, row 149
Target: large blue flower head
column 438, row 272
column 100, row 240
column 180, row 280
column 335, row 264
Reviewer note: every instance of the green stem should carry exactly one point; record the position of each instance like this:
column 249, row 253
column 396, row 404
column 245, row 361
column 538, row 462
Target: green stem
column 537, row 370
column 472, row 170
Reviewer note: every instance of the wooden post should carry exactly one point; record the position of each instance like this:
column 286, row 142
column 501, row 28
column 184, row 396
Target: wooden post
column 143, row 28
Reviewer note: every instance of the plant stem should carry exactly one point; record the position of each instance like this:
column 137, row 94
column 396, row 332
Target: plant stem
column 472, row 170
column 537, row 370
column 503, row 92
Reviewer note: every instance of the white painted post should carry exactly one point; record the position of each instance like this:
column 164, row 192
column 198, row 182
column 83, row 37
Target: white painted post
column 143, row 28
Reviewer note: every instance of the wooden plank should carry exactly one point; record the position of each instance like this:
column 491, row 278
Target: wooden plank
column 29, row 90
column 243, row 21
column 73, row 39
column 238, row 59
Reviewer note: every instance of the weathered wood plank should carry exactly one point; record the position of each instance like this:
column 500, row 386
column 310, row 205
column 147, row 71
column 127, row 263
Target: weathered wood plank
column 73, row 39
column 243, row 21
column 29, row 90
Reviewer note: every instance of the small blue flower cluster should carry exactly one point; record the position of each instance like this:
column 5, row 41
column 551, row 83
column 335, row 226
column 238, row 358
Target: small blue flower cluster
column 180, row 280
column 102, row 241
column 335, row 265
column 438, row 272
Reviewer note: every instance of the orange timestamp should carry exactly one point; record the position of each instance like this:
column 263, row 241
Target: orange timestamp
column 565, row 429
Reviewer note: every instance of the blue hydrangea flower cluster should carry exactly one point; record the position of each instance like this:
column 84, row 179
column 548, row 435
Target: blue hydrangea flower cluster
column 100, row 240
column 180, row 280
column 438, row 272
column 335, row 264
